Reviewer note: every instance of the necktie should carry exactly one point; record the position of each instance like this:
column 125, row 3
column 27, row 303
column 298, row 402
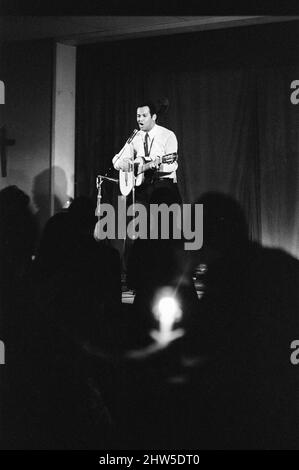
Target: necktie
column 146, row 152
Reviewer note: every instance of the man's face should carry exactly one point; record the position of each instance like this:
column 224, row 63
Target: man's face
column 145, row 121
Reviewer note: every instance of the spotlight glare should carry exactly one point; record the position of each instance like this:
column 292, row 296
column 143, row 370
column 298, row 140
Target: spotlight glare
column 167, row 312
column 167, row 308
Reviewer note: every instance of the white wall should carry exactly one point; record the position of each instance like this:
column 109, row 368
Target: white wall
column 63, row 135
column 26, row 68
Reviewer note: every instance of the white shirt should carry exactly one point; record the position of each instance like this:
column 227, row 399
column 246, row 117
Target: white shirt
column 161, row 142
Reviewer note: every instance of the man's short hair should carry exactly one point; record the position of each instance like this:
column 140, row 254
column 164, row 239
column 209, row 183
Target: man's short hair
column 151, row 105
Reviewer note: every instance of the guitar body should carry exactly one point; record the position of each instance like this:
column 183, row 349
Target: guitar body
column 126, row 182
column 143, row 172
column 126, row 178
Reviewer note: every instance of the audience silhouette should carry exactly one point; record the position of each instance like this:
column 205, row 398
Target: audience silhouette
column 228, row 382
column 248, row 318
column 70, row 291
column 85, row 373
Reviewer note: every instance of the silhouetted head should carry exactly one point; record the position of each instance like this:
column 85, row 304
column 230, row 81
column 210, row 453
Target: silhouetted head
column 57, row 243
column 224, row 224
column 17, row 228
column 82, row 212
column 12, row 201
column 57, row 233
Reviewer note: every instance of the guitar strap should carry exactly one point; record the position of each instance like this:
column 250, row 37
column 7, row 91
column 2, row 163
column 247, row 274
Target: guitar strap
column 149, row 151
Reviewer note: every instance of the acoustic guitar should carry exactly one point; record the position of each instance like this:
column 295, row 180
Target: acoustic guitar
column 138, row 171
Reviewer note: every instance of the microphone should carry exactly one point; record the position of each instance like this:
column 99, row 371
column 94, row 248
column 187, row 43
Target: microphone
column 135, row 131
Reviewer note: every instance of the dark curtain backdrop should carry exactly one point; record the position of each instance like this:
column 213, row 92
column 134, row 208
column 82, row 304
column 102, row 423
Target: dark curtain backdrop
column 230, row 107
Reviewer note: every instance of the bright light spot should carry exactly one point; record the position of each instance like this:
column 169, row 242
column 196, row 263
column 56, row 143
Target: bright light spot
column 167, row 305
column 167, row 310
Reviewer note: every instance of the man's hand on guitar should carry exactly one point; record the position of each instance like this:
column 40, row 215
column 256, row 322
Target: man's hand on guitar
column 124, row 165
column 155, row 163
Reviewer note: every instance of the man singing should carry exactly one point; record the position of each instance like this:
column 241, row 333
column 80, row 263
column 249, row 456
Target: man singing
column 150, row 142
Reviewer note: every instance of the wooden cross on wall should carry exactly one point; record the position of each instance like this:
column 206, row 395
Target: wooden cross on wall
column 4, row 142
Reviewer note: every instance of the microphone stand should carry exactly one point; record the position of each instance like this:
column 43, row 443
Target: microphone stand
column 99, row 182
column 100, row 178
column 130, row 139
column 132, row 136
column 133, row 197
